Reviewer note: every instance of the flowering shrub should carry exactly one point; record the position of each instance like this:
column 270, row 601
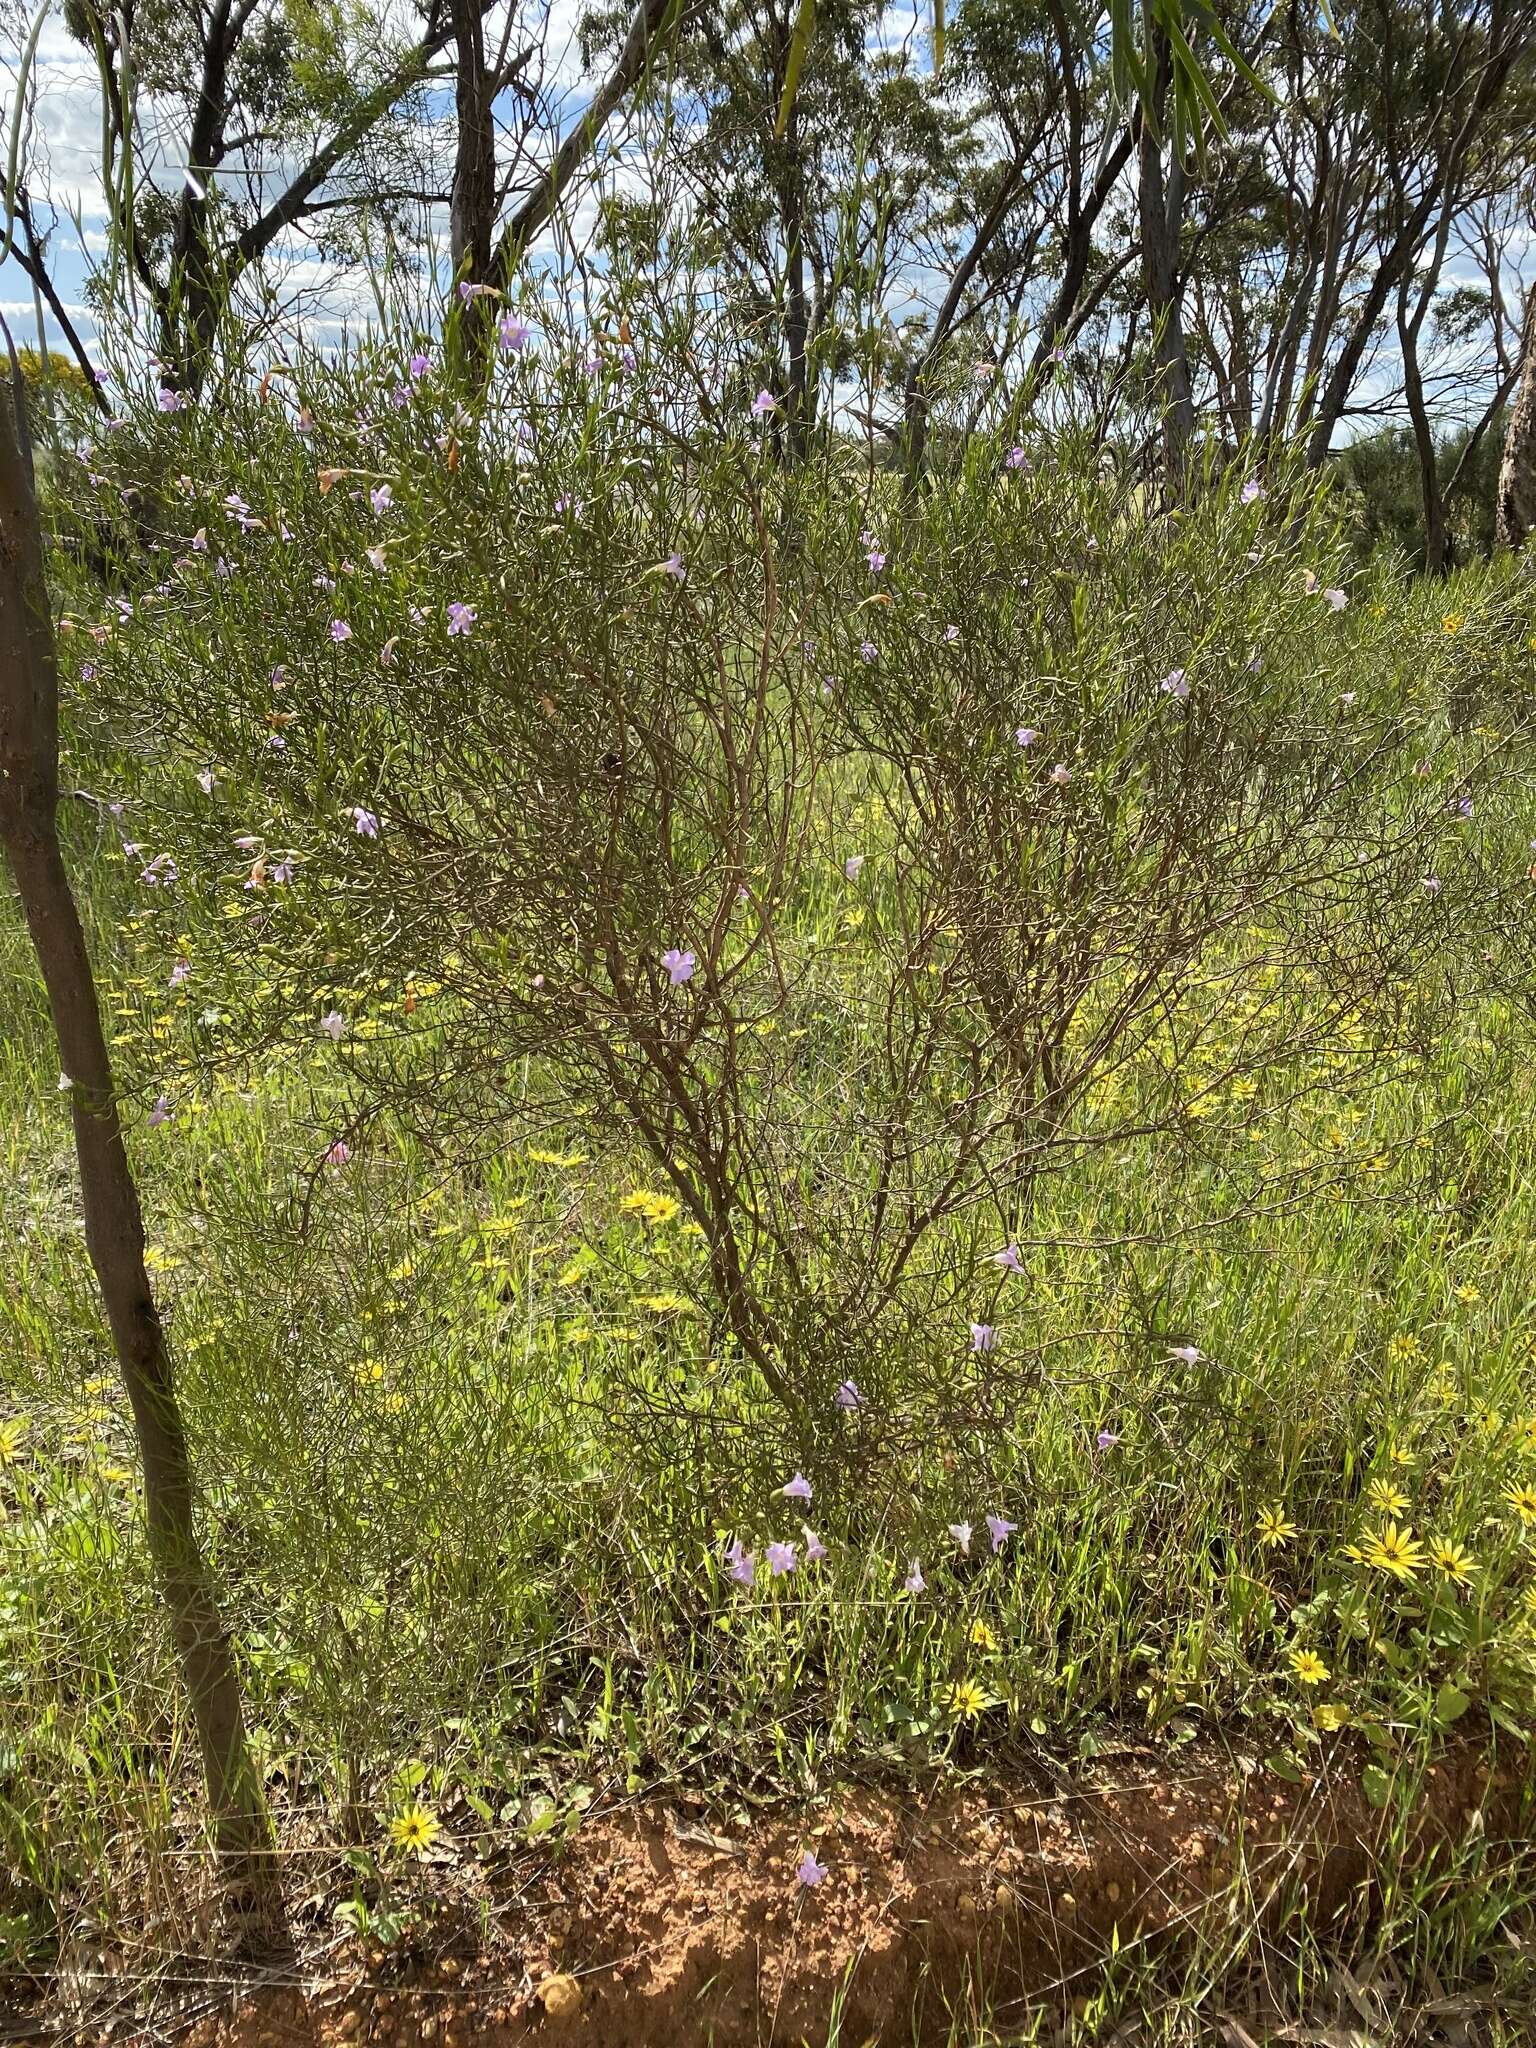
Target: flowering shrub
column 547, row 752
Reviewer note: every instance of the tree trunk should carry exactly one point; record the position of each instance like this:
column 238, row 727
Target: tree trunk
column 472, row 202
column 1161, row 207
column 114, row 1230
column 1515, row 511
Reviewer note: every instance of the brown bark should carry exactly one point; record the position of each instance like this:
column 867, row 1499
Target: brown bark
column 472, row 202
column 1515, row 511
column 1161, row 203
column 114, row 1230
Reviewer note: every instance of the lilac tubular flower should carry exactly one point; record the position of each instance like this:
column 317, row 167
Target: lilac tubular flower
column 951, row 634
column 961, row 1531
column 798, row 1488
column 160, row 1114
column 742, row 1563
column 1107, row 1439
column 1015, row 459
column 420, row 364
column 876, row 561
column 1175, row 684
column 365, row 823
column 1025, row 735
column 1461, row 807
column 334, row 1025
column 781, row 1559
column 340, row 631
column 512, row 335
column 848, row 1396
column 1061, row 774
column 853, row 864
column 205, row 781
column 339, row 1153
column 1431, row 885
column 815, row 1549
column 764, row 403
column 983, row 1336
column 1188, row 1354
column 810, row 1872
column 1008, row 1258
column 999, row 1531
column 673, row 566
column 460, row 618
column 914, row 1582
column 1337, row 599
column 1251, row 491
column 170, row 401
column 680, row 966
column 381, row 498
column 180, row 973
column 868, row 650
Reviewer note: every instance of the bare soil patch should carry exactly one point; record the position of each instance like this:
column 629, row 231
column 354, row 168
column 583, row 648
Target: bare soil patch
column 655, row 1927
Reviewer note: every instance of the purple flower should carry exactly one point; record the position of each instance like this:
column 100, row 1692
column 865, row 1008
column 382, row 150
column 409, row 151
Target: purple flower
column 1461, row 807
column 282, row 872
column 914, row 1582
column 798, row 1488
column 1175, row 684
column 810, row 1872
column 848, row 1396
column 815, row 1549
column 365, row 823
column 1061, row 774
column 512, row 334
column 853, row 864
column 205, row 781
column 334, row 1025
column 1008, row 1258
column 999, row 1531
column 169, row 401
column 764, row 403
column 1025, row 735
column 951, row 634
column 983, row 1336
column 340, row 631
column 339, row 1153
column 160, row 1114
column 420, row 364
column 1251, row 491
column 1188, row 1354
column 1107, row 1439
column 381, row 498
column 961, row 1531
column 1336, row 599
column 679, row 965
column 180, row 973
column 460, row 618
column 1015, row 459
column 868, row 650
column 743, row 1565
column 876, row 561
column 781, row 1559
column 675, row 566
column 1431, row 885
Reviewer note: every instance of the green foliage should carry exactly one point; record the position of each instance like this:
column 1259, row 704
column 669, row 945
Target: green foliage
column 502, row 1311
column 1381, row 473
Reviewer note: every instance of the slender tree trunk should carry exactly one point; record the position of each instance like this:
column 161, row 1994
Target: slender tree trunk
column 114, row 1230
column 1515, row 511
column 1161, row 207
column 472, row 202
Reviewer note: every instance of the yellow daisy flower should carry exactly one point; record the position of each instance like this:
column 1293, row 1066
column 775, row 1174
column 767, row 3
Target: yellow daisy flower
column 1523, row 1500
column 1452, row 1561
column 1309, row 1667
column 1386, row 1498
column 1273, row 1528
column 1394, row 1550
column 414, row 1829
column 967, row 1701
